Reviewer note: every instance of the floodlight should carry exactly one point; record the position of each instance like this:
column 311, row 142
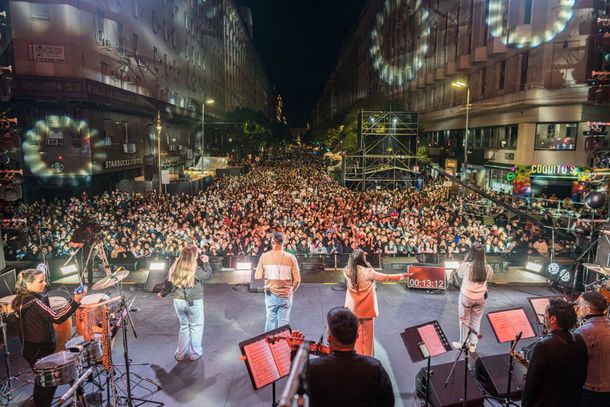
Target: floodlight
column 452, row 265
column 156, row 266
column 535, row 267
column 69, row 269
column 553, row 269
column 243, row 265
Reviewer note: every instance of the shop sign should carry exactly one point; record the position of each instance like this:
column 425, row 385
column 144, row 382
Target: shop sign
column 510, row 176
column 500, row 187
column 46, row 53
column 555, row 169
column 123, row 163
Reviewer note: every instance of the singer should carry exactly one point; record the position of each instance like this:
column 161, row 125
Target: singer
column 475, row 273
column 36, row 319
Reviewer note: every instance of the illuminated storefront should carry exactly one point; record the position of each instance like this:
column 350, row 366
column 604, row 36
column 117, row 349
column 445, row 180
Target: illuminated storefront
column 537, row 180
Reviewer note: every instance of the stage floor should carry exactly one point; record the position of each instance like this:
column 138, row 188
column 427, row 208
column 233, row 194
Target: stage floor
column 233, row 314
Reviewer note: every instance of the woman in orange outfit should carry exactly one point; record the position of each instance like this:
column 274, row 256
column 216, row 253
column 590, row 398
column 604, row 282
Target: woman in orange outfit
column 361, row 297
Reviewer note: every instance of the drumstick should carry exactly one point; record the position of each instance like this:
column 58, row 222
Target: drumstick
column 75, row 386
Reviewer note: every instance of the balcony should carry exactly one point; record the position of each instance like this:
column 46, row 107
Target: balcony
column 464, row 62
column 479, row 55
column 496, row 47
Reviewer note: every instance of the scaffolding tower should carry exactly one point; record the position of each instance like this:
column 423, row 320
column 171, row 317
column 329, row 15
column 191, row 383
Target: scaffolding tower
column 386, row 159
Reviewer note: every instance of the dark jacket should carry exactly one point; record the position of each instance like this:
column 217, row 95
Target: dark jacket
column 557, row 371
column 349, row 379
column 191, row 293
column 36, row 318
column 596, row 333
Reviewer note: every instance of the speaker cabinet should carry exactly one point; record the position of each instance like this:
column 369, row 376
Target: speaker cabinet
column 453, row 394
column 492, row 372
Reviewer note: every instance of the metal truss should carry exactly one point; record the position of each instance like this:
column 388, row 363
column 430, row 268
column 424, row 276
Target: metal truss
column 386, row 156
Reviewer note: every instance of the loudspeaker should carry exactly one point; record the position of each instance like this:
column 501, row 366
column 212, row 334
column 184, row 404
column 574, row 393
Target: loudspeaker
column 492, row 372
column 154, row 281
column 256, row 286
column 453, row 394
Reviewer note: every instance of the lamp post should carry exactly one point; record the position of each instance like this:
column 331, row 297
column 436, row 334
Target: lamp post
column 159, row 128
column 461, row 85
column 207, row 102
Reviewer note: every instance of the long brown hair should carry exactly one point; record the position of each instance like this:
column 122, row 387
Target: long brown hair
column 24, row 278
column 476, row 256
column 182, row 272
column 356, row 258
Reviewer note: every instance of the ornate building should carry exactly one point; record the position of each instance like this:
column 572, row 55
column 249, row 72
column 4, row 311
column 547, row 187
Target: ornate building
column 89, row 77
column 524, row 65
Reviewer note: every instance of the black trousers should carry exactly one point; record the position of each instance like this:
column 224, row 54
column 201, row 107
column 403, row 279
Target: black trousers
column 32, row 352
column 594, row 399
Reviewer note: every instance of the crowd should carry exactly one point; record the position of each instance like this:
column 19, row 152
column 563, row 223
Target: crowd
column 236, row 215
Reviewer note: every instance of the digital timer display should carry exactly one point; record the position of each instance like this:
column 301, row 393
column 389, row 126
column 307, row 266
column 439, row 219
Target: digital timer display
column 427, row 277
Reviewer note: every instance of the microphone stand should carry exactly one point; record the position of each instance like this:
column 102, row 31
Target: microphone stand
column 511, row 367
column 6, row 389
column 463, row 349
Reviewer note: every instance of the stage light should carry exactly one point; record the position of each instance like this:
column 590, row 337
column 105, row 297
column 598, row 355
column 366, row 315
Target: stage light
column 564, row 276
column 243, row 266
column 553, row 269
column 535, row 267
column 42, row 267
column 452, row 265
column 69, row 269
column 156, row 266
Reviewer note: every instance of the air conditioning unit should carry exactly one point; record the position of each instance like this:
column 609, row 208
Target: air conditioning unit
column 490, row 154
column 129, row 148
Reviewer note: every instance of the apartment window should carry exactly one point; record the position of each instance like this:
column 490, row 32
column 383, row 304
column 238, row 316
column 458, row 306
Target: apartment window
column 99, row 22
column 55, row 135
column 556, row 136
column 136, row 8
column 119, row 36
column 483, row 81
column 104, row 71
column 485, row 16
column 524, row 65
column 501, row 75
column 155, row 58
column 165, row 64
column 39, row 11
column 470, row 24
column 527, row 12
column 135, row 39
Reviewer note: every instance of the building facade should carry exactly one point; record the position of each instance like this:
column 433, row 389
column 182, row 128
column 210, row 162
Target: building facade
column 524, row 65
column 89, row 76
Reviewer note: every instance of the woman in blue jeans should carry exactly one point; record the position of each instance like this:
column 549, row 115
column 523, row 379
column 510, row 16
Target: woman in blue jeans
column 185, row 283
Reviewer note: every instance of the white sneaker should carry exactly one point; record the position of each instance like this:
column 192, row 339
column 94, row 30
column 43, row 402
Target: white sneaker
column 457, row 345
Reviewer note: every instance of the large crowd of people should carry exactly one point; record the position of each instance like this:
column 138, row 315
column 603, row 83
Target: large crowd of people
column 237, row 215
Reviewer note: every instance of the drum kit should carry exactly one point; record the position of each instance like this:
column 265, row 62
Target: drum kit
column 602, row 284
column 86, row 356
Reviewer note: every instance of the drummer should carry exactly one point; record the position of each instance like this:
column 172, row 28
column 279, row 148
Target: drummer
column 36, row 319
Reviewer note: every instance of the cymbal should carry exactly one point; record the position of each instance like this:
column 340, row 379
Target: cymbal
column 597, row 268
column 111, row 280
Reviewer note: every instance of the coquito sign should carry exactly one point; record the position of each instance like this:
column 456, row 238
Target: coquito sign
column 555, row 169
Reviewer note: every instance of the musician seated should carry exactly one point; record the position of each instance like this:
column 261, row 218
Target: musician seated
column 596, row 333
column 558, row 366
column 344, row 378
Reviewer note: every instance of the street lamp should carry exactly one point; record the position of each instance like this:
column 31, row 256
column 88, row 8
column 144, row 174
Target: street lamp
column 458, row 84
column 159, row 127
column 207, row 102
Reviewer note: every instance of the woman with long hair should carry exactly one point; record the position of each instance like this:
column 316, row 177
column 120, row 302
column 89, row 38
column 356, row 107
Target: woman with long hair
column 361, row 297
column 184, row 281
column 475, row 273
column 36, row 318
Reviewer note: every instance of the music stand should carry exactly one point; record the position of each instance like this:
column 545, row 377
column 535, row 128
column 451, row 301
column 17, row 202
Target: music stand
column 267, row 362
column 539, row 305
column 424, row 341
column 510, row 325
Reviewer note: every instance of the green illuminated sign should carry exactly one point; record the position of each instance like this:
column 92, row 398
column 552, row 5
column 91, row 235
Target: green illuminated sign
column 510, row 176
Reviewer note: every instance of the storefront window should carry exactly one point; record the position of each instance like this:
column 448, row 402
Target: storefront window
column 556, row 136
column 498, row 181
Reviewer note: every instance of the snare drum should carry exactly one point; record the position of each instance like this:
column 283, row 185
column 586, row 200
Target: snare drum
column 6, row 304
column 59, row 368
column 90, row 352
column 88, row 315
column 63, row 331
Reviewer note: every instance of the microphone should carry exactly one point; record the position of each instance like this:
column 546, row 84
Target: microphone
column 518, row 337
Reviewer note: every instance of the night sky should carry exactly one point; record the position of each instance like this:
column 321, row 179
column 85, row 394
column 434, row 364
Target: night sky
column 299, row 42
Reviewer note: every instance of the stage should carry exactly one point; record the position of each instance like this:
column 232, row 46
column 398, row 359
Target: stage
column 233, row 314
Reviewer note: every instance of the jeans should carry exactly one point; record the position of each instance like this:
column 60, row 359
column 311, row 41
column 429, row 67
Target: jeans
column 191, row 329
column 278, row 311
column 471, row 313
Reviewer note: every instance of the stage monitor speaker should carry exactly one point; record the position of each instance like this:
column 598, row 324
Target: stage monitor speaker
column 492, row 373
column 453, row 394
column 256, row 286
column 154, row 281
column 7, row 282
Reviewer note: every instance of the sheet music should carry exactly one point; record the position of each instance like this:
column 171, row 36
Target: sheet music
column 507, row 324
column 539, row 305
column 431, row 339
column 281, row 354
column 262, row 364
